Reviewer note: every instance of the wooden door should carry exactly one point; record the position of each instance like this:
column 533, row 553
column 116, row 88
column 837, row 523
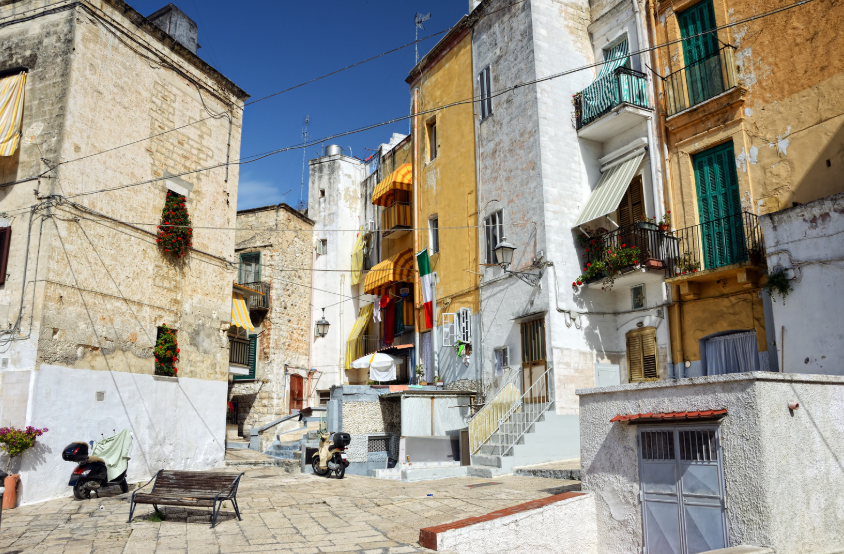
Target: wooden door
column 297, row 392
column 534, row 377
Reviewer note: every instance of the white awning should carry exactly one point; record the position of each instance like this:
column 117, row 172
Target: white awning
column 610, row 190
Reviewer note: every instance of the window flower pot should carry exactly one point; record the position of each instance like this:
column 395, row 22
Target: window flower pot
column 653, row 263
column 10, row 495
column 663, row 228
column 647, row 225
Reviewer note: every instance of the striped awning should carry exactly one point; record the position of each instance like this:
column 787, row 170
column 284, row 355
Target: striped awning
column 395, row 269
column 400, row 179
column 357, row 258
column 610, row 190
column 240, row 313
column 354, row 346
column 11, row 112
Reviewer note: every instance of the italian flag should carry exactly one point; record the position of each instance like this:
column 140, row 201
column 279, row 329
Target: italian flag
column 427, row 289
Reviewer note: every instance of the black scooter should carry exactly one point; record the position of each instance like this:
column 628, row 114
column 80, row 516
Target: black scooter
column 91, row 474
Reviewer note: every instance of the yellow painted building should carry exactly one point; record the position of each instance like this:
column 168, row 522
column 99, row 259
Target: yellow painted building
column 445, row 183
column 751, row 116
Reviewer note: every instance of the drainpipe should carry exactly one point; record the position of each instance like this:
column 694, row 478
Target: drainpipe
column 660, row 127
column 417, row 292
column 311, row 328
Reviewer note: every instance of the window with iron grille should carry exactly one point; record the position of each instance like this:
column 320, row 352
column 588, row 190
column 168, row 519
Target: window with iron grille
column 378, row 444
column 658, row 445
column 698, row 446
column 485, row 89
column 494, row 232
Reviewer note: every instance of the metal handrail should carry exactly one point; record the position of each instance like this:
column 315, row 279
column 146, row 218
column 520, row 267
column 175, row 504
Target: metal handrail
column 717, row 243
column 488, row 419
column 513, row 431
column 698, row 82
column 254, row 439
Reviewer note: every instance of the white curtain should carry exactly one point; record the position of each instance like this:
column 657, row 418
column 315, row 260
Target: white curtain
column 736, row 353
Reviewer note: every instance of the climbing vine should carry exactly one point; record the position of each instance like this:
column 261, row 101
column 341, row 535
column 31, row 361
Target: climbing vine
column 778, row 282
column 166, row 352
column 175, row 235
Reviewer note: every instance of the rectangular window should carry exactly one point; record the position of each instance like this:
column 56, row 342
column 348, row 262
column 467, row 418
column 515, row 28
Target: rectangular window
column 642, row 358
column 638, row 294
column 163, row 365
column 250, row 268
column 322, row 247
column 494, row 233
column 324, row 397
column 434, row 240
column 464, row 325
column 251, row 359
column 5, row 242
column 485, row 89
column 502, row 358
column 432, row 139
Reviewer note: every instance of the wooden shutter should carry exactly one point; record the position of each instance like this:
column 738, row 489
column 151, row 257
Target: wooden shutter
column 642, row 355
column 251, row 359
column 632, row 207
column 5, row 242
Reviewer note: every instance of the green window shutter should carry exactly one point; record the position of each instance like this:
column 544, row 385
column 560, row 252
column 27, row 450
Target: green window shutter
column 703, row 65
column 253, row 355
column 399, row 325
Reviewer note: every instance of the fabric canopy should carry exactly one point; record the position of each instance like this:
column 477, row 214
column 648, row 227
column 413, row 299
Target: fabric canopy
column 400, row 179
column 11, row 112
column 114, row 451
column 610, row 190
column 392, row 270
column 601, row 94
column 357, row 258
column 382, row 367
column 354, row 346
column 240, row 313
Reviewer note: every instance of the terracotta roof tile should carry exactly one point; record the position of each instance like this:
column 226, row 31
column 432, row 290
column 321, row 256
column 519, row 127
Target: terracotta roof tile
column 669, row 416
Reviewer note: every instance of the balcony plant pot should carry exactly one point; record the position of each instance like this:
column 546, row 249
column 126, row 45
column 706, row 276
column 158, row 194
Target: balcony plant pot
column 653, row 263
column 10, row 495
column 423, row 383
column 647, row 225
column 663, row 228
column 594, row 279
column 439, row 383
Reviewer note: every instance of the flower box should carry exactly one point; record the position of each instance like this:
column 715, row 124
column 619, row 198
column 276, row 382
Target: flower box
column 653, row 263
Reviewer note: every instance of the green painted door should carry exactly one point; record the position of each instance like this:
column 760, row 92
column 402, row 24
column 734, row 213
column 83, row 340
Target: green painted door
column 703, row 64
column 719, row 206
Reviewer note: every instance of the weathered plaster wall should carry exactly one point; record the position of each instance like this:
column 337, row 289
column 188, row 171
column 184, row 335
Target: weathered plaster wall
column 284, row 238
column 447, row 418
column 778, row 465
column 805, row 241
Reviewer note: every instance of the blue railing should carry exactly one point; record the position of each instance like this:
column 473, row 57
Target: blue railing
column 623, row 86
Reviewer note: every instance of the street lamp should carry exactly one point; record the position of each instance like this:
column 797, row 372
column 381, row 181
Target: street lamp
column 504, row 253
column 322, row 325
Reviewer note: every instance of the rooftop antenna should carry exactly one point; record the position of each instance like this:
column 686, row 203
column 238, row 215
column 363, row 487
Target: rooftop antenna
column 418, row 20
column 304, row 142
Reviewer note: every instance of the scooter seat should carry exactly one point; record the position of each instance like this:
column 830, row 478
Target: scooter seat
column 95, row 459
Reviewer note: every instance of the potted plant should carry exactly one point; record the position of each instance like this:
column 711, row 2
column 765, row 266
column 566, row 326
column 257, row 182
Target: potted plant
column 665, row 223
column 420, row 371
column 15, row 442
column 438, row 380
column 646, row 222
column 615, row 262
column 685, row 264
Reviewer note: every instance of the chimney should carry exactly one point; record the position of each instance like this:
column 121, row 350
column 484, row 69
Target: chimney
column 175, row 23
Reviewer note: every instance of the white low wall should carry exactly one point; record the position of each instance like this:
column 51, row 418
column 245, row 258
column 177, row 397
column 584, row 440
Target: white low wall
column 563, row 524
column 176, row 424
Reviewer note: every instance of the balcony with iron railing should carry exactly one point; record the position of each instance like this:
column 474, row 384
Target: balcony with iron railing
column 700, row 81
column 396, row 220
column 259, row 301
column 735, row 239
column 624, row 92
column 651, row 253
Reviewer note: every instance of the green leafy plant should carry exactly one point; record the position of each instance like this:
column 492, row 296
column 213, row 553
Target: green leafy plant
column 686, row 264
column 166, row 352
column 15, row 442
column 614, row 261
column 175, row 235
column 666, row 219
column 420, row 371
column 778, row 282
column 645, row 219
column 157, row 516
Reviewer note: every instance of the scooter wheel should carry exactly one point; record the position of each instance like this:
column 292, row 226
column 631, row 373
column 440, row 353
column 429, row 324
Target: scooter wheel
column 124, row 486
column 80, row 491
column 315, row 465
column 341, row 472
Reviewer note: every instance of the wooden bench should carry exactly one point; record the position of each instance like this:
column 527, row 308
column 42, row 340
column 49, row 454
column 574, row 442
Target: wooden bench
column 190, row 489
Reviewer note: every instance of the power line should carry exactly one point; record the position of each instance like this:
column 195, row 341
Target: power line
column 257, row 157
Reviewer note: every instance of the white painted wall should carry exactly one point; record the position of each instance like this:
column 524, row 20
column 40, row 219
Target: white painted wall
column 807, row 241
column 176, row 424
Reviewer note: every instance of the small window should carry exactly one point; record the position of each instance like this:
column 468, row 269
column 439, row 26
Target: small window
column 434, row 231
column 250, row 268
column 322, row 247
column 322, row 193
column 432, row 139
column 502, row 358
column 324, row 397
column 494, row 233
column 166, row 366
column 485, row 89
column 642, row 359
column 638, row 296
column 464, row 326
column 5, row 242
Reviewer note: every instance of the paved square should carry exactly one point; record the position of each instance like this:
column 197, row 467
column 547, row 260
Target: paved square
column 296, row 514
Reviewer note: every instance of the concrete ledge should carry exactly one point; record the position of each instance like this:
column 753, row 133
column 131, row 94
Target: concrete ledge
column 564, row 523
column 743, row 549
column 410, row 475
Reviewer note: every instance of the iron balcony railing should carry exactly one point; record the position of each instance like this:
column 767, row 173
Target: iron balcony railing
column 700, row 81
column 261, row 301
column 238, row 352
column 623, row 86
column 718, row 243
column 397, row 216
column 655, row 246
column 369, row 344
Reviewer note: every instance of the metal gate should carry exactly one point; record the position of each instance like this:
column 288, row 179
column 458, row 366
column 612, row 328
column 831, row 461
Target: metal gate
column 682, row 489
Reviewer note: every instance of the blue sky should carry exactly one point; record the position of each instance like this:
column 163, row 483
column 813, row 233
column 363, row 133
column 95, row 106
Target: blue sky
column 267, row 46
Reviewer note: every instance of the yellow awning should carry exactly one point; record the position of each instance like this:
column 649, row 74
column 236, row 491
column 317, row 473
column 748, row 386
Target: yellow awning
column 11, row 112
column 357, row 258
column 240, row 313
column 354, row 346
column 396, row 269
column 400, row 179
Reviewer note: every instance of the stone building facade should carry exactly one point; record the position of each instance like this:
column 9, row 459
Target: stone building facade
column 88, row 287
column 279, row 239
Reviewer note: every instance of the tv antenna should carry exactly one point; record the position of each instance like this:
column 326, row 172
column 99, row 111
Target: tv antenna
column 418, row 20
column 304, row 142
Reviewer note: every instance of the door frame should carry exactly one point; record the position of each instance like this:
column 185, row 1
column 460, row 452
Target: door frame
column 678, row 478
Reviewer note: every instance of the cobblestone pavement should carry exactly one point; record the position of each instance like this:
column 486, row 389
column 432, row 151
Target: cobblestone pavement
column 282, row 513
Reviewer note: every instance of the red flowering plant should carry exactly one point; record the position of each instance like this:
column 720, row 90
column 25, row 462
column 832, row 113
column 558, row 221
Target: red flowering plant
column 175, row 235
column 166, row 352
column 610, row 266
column 15, row 442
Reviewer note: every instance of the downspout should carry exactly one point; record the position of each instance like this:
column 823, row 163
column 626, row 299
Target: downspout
column 342, row 351
column 312, row 328
column 417, row 292
column 229, row 146
column 660, row 127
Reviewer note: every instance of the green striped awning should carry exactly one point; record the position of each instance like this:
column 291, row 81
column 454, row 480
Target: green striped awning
column 610, row 190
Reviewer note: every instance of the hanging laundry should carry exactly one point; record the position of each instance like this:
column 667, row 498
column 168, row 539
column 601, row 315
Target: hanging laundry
column 389, row 321
column 376, row 312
